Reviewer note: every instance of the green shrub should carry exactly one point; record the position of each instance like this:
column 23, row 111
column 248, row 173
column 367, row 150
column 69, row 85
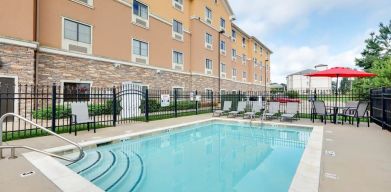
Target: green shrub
column 154, row 106
column 64, row 111
column 292, row 94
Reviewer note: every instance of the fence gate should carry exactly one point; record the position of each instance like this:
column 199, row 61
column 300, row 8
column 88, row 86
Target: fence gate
column 7, row 96
column 130, row 96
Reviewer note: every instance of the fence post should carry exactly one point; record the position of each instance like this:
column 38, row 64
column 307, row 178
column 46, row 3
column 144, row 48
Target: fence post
column 383, row 92
column 54, row 97
column 114, row 106
column 370, row 103
column 196, row 93
column 212, row 100
column 146, row 105
column 175, row 103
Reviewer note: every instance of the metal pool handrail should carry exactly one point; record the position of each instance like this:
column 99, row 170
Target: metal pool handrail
column 81, row 154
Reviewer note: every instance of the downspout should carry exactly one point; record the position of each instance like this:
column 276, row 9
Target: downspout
column 35, row 39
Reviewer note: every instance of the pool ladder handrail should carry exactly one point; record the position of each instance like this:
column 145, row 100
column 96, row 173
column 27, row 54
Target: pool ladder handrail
column 2, row 118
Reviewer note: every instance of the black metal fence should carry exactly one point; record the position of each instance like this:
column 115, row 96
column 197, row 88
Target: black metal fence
column 381, row 107
column 50, row 106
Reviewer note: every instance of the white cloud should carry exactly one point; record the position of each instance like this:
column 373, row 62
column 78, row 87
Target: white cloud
column 287, row 60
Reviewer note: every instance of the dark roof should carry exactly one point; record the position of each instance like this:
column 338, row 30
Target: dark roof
column 303, row 72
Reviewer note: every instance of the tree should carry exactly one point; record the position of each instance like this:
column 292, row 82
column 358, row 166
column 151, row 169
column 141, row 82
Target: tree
column 378, row 46
column 345, row 85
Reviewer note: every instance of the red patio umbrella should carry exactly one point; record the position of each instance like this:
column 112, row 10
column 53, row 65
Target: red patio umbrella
column 340, row 72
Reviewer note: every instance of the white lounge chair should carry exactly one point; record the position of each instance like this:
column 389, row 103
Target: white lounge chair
column 292, row 109
column 80, row 115
column 254, row 110
column 240, row 109
column 272, row 111
column 227, row 106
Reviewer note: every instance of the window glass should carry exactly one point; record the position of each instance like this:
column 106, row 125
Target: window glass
column 140, row 48
column 178, row 57
column 140, row 9
column 208, row 13
column 77, row 32
column 208, row 64
column 208, row 38
column 177, row 27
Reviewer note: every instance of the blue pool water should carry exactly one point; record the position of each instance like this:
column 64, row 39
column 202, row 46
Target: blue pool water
column 215, row 156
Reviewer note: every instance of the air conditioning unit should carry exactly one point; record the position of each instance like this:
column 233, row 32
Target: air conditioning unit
column 140, row 59
column 208, row 72
column 223, row 75
column 177, row 36
column 233, row 58
column 140, row 21
column 75, row 46
column 208, row 21
column 223, row 52
column 233, row 39
column 234, row 78
column 208, row 46
column 178, row 6
column 178, row 67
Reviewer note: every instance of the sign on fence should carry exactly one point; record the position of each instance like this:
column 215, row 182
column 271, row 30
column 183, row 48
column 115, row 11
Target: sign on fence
column 165, row 100
column 198, row 97
column 191, row 96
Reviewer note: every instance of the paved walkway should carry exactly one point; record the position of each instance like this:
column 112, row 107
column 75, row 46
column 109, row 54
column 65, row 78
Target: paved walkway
column 362, row 161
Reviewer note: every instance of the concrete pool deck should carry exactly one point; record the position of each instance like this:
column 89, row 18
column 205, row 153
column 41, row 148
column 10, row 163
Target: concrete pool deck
column 362, row 160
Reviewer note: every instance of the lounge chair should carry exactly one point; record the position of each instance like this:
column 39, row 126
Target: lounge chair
column 292, row 110
column 319, row 108
column 240, row 109
column 226, row 108
column 360, row 112
column 80, row 116
column 351, row 106
column 272, row 111
column 254, row 110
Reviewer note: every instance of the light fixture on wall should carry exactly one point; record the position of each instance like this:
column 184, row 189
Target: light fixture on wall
column 116, row 65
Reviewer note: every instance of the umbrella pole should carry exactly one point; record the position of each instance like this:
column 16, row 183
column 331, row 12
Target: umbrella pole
column 336, row 92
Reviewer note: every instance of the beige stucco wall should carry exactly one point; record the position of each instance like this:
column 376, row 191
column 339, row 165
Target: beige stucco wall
column 16, row 19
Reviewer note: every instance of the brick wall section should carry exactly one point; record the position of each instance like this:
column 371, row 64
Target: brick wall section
column 54, row 68
column 17, row 61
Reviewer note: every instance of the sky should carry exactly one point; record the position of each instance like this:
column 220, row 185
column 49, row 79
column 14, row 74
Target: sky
column 304, row 33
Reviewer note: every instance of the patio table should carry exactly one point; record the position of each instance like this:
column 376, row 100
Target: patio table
column 335, row 110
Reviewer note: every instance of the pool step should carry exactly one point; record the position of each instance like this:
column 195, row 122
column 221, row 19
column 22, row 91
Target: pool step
column 101, row 167
column 89, row 160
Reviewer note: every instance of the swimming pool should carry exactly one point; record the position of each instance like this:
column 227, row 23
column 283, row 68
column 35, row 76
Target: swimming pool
column 209, row 156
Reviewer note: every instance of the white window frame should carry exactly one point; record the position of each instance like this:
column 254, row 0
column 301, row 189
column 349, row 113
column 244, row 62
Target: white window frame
column 73, row 81
column 209, row 71
column 208, row 20
column 244, row 42
column 225, row 24
column 244, row 76
column 174, row 33
column 176, row 5
column 223, row 74
column 223, row 51
column 234, row 75
column 178, row 65
column 207, row 44
column 255, row 47
column 66, row 42
column 232, row 35
column 134, row 56
column 89, row 3
column 244, row 58
column 135, row 17
column 234, row 54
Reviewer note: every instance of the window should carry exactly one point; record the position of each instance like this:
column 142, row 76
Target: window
column 208, row 15
column 223, row 68
column 243, row 42
column 208, row 66
column 244, row 58
column 140, row 14
column 88, row 2
column 178, row 90
column 77, row 32
column 261, row 50
column 222, row 24
column 177, row 60
column 255, row 62
column 177, row 27
column 234, row 73
column 255, row 77
column 255, row 47
column 244, row 75
column 233, row 35
column 234, row 54
column 76, row 91
column 140, row 48
column 208, row 41
column 223, row 92
column 209, row 92
column 140, row 52
column 222, row 47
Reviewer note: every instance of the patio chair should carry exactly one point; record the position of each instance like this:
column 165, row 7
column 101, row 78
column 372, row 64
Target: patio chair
column 319, row 108
column 359, row 113
column 227, row 106
column 240, row 109
column 350, row 107
column 256, row 107
column 292, row 111
column 272, row 111
column 80, row 115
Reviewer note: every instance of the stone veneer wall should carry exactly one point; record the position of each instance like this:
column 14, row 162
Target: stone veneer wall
column 17, row 61
column 53, row 68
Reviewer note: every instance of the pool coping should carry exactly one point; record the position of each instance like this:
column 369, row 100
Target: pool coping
column 306, row 178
